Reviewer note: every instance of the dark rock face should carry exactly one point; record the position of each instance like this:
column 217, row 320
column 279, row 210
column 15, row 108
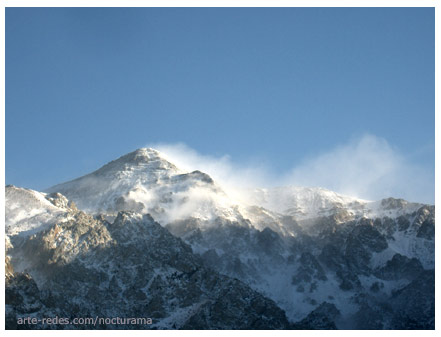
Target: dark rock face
column 334, row 271
column 371, row 315
column 330, row 251
column 197, row 175
column 308, row 270
column 238, row 307
column 400, row 267
column 132, row 267
column 22, row 298
column 122, row 204
column 403, row 223
column 424, row 222
column 415, row 303
column 427, row 229
column 269, row 242
column 322, row 318
column 392, row 203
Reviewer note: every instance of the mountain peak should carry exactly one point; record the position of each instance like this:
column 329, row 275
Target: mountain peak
column 145, row 159
column 144, row 181
column 141, row 155
column 146, row 151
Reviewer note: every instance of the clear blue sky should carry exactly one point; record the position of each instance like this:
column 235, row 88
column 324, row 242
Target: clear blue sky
column 84, row 86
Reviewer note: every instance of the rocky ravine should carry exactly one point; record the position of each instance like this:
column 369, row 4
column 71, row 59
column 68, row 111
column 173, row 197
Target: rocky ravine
column 315, row 260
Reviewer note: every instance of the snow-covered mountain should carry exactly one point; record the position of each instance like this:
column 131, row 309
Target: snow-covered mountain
column 326, row 260
column 144, row 181
column 28, row 211
column 131, row 268
column 306, row 202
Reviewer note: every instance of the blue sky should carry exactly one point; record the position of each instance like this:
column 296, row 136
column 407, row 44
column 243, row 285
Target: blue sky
column 279, row 88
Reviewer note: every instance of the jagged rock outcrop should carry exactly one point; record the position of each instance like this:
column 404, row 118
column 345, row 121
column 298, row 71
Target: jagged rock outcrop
column 133, row 267
column 213, row 262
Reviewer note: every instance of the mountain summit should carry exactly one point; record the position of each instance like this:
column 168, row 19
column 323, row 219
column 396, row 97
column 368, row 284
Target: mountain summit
column 144, row 181
column 148, row 159
column 172, row 244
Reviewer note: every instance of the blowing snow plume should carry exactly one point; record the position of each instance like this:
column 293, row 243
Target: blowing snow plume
column 367, row 167
column 159, row 227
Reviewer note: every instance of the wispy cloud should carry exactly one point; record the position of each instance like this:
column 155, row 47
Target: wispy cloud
column 367, row 167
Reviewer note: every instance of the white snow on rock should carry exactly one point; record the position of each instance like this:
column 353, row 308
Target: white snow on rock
column 28, row 211
column 313, row 202
column 144, row 181
column 187, row 203
column 304, row 202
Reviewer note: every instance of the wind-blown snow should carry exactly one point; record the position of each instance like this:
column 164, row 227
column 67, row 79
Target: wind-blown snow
column 235, row 231
column 146, row 182
column 304, row 202
column 29, row 211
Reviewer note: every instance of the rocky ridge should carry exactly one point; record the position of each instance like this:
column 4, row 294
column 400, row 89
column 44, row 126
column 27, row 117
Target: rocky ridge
column 327, row 261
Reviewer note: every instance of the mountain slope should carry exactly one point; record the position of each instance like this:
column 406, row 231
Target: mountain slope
column 307, row 249
column 29, row 211
column 144, row 181
column 133, row 267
